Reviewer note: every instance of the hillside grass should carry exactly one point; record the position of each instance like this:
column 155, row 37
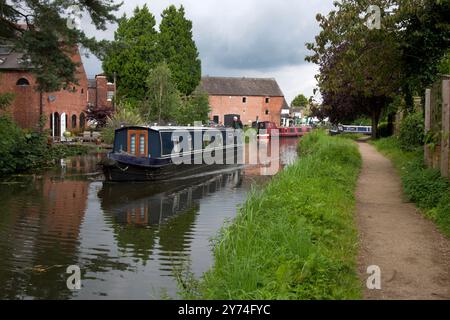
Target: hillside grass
column 295, row 239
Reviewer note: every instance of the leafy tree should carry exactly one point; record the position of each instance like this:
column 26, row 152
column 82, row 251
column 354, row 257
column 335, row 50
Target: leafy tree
column 300, row 101
column 163, row 98
column 133, row 53
column 359, row 67
column 179, row 49
column 424, row 37
column 193, row 108
column 40, row 30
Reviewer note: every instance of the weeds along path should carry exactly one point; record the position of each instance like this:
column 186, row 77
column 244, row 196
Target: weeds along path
column 413, row 256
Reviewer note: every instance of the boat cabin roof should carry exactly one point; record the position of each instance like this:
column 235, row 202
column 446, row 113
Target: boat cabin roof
column 161, row 128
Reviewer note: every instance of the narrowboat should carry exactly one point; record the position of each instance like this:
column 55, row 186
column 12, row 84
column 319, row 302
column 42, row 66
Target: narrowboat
column 162, row 153
column 367, row 130
column 268, row 129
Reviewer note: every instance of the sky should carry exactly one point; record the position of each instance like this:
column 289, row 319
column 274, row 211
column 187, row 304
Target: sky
column 243, row 38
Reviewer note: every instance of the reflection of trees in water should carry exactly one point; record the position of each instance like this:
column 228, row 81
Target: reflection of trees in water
column 143, row 213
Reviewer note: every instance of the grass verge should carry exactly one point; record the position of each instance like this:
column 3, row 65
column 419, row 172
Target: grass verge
column 424, row 186
column 296, row 239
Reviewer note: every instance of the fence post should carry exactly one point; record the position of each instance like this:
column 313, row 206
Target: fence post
column 445, row 127
column 427, row 125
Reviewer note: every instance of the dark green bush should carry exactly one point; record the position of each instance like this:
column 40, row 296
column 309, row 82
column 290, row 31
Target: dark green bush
column 426, row 187
column 412, row 131
column 383, row 130
column 443, row 212
column 22, row 151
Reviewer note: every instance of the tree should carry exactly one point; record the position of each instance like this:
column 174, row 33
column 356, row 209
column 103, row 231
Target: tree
column 133, row 53
column 179, row 49
column 300, row 101
column 360, row 68
column 194, row 108
column 40, row 30
column 163, row 98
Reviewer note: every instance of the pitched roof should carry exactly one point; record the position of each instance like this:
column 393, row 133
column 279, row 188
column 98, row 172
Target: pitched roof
column 11, row 60
column 241, row 86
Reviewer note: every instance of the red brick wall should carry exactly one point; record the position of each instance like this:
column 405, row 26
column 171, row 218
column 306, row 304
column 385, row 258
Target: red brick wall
column 249, row 111
column 98, row 96
column 26, row 105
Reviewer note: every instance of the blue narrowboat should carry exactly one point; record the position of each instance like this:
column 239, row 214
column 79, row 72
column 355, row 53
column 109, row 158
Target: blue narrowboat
column 155, row 153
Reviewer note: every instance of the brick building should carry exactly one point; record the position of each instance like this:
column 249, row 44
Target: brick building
column 64, row 110
column 101, row 92
column 250, row 99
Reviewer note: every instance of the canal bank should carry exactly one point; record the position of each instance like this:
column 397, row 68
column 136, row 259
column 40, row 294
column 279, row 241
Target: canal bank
column 295, row 239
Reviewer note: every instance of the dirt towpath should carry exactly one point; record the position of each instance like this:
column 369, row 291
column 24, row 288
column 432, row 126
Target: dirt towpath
column 413, row 256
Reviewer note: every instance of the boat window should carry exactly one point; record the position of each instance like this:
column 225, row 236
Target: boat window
column 142, row 144
column 133, row 144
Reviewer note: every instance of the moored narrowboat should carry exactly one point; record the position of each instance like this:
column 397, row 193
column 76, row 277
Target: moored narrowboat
column 162, row 153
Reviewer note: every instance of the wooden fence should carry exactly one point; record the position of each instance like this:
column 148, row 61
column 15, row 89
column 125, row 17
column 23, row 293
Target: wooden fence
column 437, row 125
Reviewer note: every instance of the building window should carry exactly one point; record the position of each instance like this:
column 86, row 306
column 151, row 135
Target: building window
column 110, row 95
column 82, row 121
column 82, row 90
column 267, row 100
column 244, row 100
column 74, row 121
column 267, row 112
column 22, row 82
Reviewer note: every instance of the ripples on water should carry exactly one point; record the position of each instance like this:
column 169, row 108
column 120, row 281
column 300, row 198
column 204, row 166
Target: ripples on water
column 128, row 239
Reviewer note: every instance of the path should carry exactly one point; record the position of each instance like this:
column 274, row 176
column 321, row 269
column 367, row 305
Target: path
column 413, row 256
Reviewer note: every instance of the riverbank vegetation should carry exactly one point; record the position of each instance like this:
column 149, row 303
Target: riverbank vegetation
column 295, row 239
column 24, row 151
column 424, row 186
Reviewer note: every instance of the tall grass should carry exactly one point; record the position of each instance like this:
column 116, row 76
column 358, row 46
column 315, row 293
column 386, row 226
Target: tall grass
column 296, row 239
column 424, row 186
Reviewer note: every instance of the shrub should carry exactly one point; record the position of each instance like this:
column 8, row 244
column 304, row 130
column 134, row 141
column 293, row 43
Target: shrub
column 125, row 116
column 424, row 186
column 383, row 130
column 412, row 131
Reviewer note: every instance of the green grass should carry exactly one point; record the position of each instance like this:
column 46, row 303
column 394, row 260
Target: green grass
column 423, row 186
column 351, row 136
column 296, row 239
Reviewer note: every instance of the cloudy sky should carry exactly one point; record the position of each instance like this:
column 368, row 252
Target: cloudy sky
column 245, row 38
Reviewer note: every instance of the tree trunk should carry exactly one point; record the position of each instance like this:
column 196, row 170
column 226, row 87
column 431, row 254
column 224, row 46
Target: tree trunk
column 375, row 119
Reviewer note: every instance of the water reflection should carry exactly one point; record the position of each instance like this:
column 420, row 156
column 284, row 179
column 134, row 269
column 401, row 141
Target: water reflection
column 127, row 238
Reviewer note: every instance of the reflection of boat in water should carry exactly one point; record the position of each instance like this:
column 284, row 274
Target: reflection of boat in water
column 147, row 204
column 161, row 153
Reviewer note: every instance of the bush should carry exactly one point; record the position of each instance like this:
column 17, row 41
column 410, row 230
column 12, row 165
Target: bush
column 426, row 187
column 125, row 115
column 383, row 130
column 22, row 151
column 412, row 131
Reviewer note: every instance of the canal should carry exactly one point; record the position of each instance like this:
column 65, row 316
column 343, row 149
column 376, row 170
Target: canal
column 129, row 240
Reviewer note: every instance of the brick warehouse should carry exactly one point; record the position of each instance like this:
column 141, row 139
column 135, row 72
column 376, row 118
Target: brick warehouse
column 250, row 99
column 65, row 110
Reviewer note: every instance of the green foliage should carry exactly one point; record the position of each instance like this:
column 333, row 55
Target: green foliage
column 426, row 187
column 163, row 98
column 193, row 109
column 125, row 115
column 291, row 244
column 5, row 100
column 138, row 49
column 22, row 151
column 412, row 131
column 384, row 130
column 133, row 53
column 46, row 27
column 300, row 101
column 179, row 49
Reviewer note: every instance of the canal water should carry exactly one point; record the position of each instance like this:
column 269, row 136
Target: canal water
column 129, row 240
